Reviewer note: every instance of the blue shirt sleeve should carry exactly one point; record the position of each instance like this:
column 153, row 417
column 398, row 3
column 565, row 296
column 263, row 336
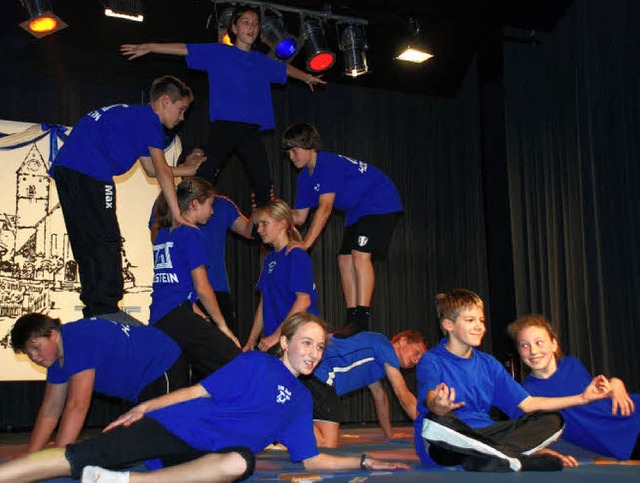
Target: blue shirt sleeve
column 302, row 277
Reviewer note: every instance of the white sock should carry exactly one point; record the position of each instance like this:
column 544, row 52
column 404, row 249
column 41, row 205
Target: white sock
column 95, row 474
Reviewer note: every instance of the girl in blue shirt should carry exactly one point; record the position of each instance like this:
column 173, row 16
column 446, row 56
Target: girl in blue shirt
column 239, row 95
column 180, row 279
column 286, row 283
column 609, row 427
column 211, row 430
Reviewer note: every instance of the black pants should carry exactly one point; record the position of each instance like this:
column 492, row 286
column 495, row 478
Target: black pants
column 511, row 438
column 227, row 308
column 144, row 440
column 226, row 137
column 89, row 210
column 176, row 377
column 203, row 344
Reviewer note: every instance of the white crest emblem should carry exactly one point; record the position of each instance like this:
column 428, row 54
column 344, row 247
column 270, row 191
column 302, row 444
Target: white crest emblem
column 283, row 395
column 362, row 240
column 272, row 265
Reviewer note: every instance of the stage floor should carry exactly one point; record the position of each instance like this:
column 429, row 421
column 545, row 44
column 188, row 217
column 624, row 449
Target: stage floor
column 274, row 464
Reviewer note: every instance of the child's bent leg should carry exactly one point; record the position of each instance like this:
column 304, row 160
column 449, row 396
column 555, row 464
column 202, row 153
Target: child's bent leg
column 327, row 433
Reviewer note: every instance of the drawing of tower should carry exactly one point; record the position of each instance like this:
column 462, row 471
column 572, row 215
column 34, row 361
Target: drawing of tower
column 33, row 187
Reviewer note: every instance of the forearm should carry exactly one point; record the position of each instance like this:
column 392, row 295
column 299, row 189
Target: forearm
column 325, row 461
column 381, row 403
column 298, row 74
column 168, row 48
column 409, row 403
column 168, row 187
column 301, row 304
column 533, row 403
column 258, row 325
column 41, row 433
column 210, row 302
column 175, row 397
column 317, row 225
column 71, row 423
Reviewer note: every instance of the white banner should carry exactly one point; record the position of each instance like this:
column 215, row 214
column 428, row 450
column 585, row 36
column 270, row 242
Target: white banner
column 37, row 269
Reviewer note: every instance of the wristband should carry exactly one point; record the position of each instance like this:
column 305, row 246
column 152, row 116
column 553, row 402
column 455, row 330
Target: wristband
column 363, row 462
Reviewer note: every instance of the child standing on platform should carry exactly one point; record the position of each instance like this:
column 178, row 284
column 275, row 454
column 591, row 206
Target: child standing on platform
column 240, row 105
column 103, row 144
column 370, row 201
column 611, row 428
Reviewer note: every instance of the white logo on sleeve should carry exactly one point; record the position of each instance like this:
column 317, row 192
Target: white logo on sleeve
column 362, row 240
column 272, row 265
column 316, row 187
column 283, row 395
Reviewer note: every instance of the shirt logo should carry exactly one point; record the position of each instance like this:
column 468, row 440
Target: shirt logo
column 272, row 265
column 162, row 255
column 283, row 395
column 362, row 167
column 362, row 240
column 316, row 187
column 108, row 196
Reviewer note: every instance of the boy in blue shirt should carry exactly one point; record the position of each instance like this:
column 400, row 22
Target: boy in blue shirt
column 370, row 201
column 458, row 385
column 363, row 360
column 130, row 363
column 103, row 144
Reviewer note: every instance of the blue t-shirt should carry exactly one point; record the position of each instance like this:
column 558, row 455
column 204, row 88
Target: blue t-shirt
column 480, row 381
column 108, row 141
column 592, row 425
column 255, row 401
column 225, row 213
column 126, row 359
column 176, row 253
column 284, row 274
column 355, row 362
column 239, row 82
column 360, row 189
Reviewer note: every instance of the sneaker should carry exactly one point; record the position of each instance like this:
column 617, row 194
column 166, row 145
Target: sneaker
column 95, row 474
column 437, row 433
column 120, row 317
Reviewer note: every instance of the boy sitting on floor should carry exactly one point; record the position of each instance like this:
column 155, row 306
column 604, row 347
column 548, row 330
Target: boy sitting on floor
column 458, row 385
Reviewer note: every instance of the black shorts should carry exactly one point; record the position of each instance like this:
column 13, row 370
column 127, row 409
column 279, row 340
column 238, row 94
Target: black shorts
column 370, row 234
column 326, row 402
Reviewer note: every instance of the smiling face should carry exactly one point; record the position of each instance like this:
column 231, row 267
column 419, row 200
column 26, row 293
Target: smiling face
column 246, row 30
column 43, row 351
column 466, row 331
column 304, row 349
column 537, row 350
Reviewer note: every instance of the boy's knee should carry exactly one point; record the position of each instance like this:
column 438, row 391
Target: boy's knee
column 239, row 463
column 361, row 258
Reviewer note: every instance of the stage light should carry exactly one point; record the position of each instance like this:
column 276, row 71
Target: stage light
column 319, row 56
column 414, row 50
column 124, row 9
column 353, row 44
column 42, row 21
column 223, row 25
column 281, row 42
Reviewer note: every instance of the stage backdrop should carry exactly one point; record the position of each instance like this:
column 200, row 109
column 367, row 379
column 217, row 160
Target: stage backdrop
column 37, row 269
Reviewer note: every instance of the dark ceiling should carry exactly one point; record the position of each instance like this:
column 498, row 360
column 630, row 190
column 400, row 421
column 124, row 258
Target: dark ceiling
column 455, row 29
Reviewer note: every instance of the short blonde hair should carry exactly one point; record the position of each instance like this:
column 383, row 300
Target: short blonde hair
column 449, row 305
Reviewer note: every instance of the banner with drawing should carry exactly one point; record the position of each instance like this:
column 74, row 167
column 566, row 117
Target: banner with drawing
column 37, row 269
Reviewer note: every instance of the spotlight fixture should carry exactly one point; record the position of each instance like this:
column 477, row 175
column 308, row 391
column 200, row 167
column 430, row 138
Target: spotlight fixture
column 223, row 25
column 319, row 56
column 353, row 44
column 42, row 21
column 125, row 9
column 282, row 43
column 414, row 50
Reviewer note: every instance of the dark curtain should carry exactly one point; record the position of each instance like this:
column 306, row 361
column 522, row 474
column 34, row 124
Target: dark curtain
column 573, row 137
column 428, row 146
